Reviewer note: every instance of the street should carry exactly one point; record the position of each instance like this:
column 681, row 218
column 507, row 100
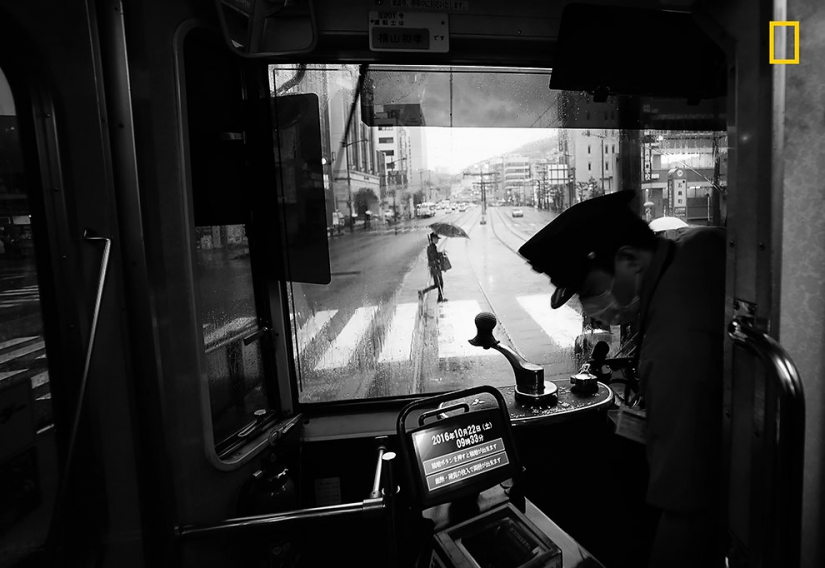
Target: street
column 367, row 334
column 22, row 349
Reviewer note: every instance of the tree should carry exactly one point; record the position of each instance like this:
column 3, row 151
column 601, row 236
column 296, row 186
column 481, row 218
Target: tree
column 364, row 199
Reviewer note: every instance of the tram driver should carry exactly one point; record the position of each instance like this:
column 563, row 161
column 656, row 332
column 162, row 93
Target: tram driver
column 606, row 254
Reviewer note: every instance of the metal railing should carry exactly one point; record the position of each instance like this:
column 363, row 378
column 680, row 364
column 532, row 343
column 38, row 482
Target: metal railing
column 373, row 506
column 784, row 424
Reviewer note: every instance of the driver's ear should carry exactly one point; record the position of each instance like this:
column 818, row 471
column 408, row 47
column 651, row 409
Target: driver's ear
column 629, row 258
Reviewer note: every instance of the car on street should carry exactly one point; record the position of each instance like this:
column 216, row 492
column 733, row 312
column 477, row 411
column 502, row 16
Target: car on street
column 517, row 213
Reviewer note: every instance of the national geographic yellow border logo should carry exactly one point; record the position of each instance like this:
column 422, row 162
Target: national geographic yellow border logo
column 774, row 60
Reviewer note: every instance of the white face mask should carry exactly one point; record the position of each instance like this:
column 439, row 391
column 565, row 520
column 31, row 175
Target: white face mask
column 607, row 309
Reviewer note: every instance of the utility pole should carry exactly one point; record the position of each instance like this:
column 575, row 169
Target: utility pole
column 349, row 192
column 715, row 213
column 483, row 183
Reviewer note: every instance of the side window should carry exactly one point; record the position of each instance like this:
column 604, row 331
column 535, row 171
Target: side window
column 228, row 314
column 28, row 456
column 234, row 339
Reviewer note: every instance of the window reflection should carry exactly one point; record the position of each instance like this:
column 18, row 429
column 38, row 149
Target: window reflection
column 28, row 457
column 235, row 371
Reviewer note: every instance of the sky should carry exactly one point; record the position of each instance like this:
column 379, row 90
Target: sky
column 457, row 148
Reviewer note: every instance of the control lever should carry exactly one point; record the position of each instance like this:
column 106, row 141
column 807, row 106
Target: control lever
column 531, row 387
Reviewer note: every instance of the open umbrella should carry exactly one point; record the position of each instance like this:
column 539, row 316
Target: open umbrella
column 448, row 230
column 667, row 224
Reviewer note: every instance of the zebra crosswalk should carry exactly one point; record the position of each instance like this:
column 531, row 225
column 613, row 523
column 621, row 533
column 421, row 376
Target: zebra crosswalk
column 456, row 323
column 561, row 325
column 339, row 353
column 23, row 358
column 332, row 339
column 19, row 296
column 398, row 344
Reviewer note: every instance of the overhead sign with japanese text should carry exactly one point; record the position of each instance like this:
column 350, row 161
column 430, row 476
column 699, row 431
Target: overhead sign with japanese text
column 409, row 31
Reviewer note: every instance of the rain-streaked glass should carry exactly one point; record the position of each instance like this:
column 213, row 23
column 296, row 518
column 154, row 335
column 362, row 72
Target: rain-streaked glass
column 228, row 315
column 28, row 450
column 478, row 144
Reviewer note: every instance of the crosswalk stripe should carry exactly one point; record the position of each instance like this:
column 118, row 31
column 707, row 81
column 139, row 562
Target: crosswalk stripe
column 312, row 327
column 455, row 327
column 6, row 374
column 20, row 292
column 40, row 379
column 562, row 325
column 339, row 353
column 221, row 332
column 398, row 340
column 22, row 352
column 16, row 340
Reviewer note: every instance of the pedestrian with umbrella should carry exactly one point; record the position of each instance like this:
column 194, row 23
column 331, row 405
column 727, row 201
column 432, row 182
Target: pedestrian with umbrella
column 438, row 261
column 436, row 268
column 448, row 230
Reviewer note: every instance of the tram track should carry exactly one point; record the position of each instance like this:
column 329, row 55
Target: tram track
column 506, row 236
column 367, row 377
column 487, row 296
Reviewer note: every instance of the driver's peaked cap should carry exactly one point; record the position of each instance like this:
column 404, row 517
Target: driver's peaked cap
column 566, row 248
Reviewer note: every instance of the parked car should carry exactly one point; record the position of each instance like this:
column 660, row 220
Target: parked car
column 517, row 213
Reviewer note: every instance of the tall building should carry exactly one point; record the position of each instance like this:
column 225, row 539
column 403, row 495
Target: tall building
column 516, row 179
column 417, row 151
column 351, row 181
column 589, row 144
column 393, row 144
column 596, row 156
column 683, row 173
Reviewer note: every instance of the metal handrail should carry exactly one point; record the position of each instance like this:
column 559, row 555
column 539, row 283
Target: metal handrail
column 242, row 333
column 376, row 481
column 790, row 434
column 374, row 505
column 63, row 487
column 366, row 507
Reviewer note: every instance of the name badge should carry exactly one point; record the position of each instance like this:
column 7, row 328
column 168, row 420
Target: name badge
column 631, row 424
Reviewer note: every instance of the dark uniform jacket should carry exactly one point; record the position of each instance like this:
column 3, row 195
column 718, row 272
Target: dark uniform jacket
column 680, row 366
column 433, row 260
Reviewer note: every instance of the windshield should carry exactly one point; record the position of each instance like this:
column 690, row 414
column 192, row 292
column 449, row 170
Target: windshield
column 483, row 158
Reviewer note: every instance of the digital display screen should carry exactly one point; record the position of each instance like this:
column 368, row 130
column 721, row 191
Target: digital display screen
column 468, row 450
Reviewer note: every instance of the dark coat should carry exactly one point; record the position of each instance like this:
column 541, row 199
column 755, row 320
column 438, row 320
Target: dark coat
column 681, row 368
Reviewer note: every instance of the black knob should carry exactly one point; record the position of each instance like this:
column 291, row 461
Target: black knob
column 485, row 323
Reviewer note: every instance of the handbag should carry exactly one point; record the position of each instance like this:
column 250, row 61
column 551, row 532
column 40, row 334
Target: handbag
column 445, row 261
